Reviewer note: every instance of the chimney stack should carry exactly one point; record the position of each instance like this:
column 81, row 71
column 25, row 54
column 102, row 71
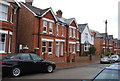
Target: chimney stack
column 29, row 1
column 59, row 13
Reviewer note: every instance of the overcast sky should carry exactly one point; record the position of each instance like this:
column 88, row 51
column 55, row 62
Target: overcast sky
column 93, row 12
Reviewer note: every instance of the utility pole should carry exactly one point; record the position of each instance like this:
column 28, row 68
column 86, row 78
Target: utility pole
column 105, row 36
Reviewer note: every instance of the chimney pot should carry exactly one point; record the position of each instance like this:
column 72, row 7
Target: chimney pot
column 59, row 13
column 29, row 1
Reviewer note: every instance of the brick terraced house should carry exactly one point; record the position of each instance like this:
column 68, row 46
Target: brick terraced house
column 8, row 26
column 112, row 45
column 42, row 32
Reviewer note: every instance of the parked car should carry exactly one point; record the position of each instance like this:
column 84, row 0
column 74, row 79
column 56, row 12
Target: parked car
column 17, row 64
column 110, row 73
column 115, row 57
column 106, row 60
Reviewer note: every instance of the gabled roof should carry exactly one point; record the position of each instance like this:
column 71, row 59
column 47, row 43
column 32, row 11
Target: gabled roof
column 37, row 11
column 12, row 1
column 98, row 35
column 81, row 27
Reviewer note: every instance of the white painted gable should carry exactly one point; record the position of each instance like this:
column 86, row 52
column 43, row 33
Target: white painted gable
column 90, row 38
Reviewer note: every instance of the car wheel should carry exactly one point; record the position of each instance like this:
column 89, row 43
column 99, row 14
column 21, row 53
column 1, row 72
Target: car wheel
column 50, row 69
column 16, row 71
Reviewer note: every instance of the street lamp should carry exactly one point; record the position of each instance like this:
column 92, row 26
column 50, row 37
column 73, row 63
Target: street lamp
column 105, row 36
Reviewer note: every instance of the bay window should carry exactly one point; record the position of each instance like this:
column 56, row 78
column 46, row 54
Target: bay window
column 44, row 26
column 43, row 47
column 2, row 42
column 51, row 28
column 3, row 12
column 70, row 32
column 50, row 48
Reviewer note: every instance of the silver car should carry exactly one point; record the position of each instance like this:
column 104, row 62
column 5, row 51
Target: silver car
column 107, row 60
column 110, row 73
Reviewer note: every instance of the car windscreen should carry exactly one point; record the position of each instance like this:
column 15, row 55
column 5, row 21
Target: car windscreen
column 108, row 74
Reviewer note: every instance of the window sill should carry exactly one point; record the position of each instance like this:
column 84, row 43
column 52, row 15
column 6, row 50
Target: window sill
column 50, row 33
column 45, row 32
column 3, row 20
column 2, row 52
column 50, row 53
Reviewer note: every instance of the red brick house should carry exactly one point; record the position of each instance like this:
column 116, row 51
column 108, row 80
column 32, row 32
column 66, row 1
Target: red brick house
column 73, row 36
column 112, row 45
column 40, row 31
column 8, row 26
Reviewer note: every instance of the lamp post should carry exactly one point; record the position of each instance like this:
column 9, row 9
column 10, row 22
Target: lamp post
column 105, row 36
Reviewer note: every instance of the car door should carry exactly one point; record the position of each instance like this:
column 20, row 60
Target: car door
column 37, row 62
column 26, row 62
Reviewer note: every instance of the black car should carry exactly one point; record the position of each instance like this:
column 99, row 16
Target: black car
column 110, row 73
column 17, row 64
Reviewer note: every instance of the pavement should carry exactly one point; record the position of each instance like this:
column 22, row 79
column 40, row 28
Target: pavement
column 80, row 61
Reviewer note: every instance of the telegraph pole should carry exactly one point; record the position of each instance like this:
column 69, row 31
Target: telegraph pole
column 105, row 36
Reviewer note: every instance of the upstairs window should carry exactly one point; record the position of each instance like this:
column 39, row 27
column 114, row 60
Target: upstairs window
column 62, row 30
column 2, row 42
column 51, row 28
column 74, row 33
column 57, row 29
column 70, row 32
column 44, row 26
column 3, row 12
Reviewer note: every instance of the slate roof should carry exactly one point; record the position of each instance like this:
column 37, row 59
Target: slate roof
column 37, row 11
column 81, row 27
column 68, row 21
column 98, row 35
column 64, row 20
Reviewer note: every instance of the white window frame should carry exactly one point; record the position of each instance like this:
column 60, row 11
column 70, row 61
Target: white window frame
column 74, row 33
column 70, row 32
column 44, row 46
column 2, row 12
column 87, row 47
column 62, row 49
column 50, row 27
column 78, row 47
column 3, row 51
column 57, row 29
column 71, row 48
column 45, row 24
column 10, row 40
column 11, row 17
column 50, row 48
column 62, row 30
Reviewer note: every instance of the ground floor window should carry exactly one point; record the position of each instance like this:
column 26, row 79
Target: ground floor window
column 62, row 49
column 86, row 47
column 59, row 49
column 2, row 42
column 78, row 47
column 50, row 48
column 72, row 48
column 43, row 47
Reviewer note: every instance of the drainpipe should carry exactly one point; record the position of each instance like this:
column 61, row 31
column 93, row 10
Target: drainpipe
column 17, row 24
column 80, row 43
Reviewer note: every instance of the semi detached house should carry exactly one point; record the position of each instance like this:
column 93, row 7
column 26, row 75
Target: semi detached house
column 8, row 25
column 50, row 36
